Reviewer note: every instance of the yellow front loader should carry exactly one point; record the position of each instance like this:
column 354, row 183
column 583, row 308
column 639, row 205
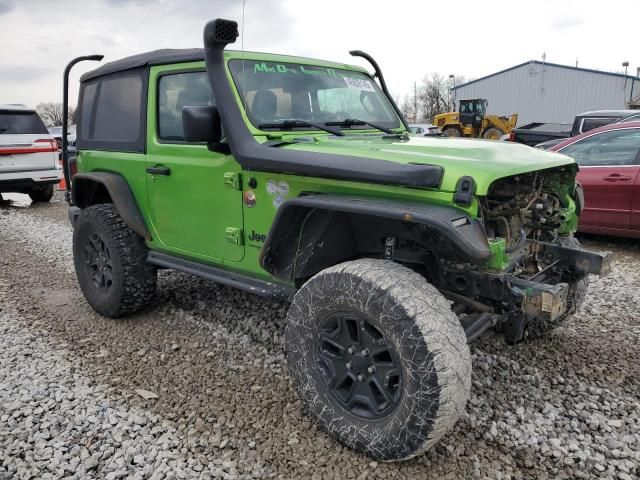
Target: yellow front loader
column 472, row 121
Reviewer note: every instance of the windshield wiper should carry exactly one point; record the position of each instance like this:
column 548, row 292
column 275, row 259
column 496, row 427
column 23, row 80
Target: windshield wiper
column 349, row 122
column 290, row 124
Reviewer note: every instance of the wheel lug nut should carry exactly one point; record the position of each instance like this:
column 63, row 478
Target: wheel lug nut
column 348, row 365
column 371, row 369
column 360, row 377
column 351, row 350
column 365, row 352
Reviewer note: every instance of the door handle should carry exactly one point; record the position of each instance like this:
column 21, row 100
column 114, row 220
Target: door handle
column 614, row 177
column 159, row 170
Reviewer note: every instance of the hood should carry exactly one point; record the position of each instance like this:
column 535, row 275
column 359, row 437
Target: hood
column 484, row 160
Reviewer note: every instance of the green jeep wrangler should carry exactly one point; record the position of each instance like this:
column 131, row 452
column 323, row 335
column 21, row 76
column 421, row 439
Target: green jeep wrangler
column 296, row 179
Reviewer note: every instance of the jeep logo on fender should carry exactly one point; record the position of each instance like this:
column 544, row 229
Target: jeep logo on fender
column 257, row 237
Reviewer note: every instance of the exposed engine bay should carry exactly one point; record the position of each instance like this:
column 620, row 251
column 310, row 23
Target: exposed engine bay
column 534, row 206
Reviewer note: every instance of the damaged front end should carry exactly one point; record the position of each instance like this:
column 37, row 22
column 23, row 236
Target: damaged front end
column 535, row 267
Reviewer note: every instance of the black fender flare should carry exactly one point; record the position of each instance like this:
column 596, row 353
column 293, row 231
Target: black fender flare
column 282, row 249
column 118, row 188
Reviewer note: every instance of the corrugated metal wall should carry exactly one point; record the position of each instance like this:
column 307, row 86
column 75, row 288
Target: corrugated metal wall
column 548, row 93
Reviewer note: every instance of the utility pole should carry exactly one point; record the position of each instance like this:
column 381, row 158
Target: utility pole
column 625, row 64
column 452, row 90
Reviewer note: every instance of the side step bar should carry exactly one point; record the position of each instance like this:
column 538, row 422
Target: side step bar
column 224, row 277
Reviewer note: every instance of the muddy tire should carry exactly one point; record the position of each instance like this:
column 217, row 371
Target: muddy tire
column 110, row 262
column 378, row 358
column 492, row 133
column 42, row 193
column 575, row 298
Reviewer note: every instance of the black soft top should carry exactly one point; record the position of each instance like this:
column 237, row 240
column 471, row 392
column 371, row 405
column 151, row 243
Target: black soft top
column 156, row 57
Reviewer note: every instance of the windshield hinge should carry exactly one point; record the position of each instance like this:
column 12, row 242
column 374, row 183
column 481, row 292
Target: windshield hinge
column 465, row 189
column 233, row 180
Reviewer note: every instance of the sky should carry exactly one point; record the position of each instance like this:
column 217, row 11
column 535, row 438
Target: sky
column 409, row 39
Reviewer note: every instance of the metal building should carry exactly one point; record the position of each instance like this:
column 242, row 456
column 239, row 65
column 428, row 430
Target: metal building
column 547, row 92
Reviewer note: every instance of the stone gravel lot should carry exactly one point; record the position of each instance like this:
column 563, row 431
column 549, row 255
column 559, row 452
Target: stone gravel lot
column 196, row 386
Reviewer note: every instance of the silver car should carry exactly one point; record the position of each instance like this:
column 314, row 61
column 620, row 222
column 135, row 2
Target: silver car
column 423, row 129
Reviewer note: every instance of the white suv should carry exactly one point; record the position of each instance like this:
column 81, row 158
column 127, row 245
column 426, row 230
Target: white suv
column 28, row 154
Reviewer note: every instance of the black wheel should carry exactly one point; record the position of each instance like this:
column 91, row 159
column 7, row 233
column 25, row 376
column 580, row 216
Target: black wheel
column 361, row 370
column 452, row 132
column 41, row 193
column 575, row 298
column 378, row 358
column 110, row 262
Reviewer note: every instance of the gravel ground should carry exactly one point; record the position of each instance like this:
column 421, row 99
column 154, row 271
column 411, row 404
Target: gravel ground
column 74, row 386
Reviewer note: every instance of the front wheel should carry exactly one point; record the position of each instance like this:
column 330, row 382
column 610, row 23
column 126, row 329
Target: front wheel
column 378, row 358
column 110, row 261
column 492, row 133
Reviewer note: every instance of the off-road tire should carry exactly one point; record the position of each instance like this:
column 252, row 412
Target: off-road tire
column 42, row 193
column 133, row 280
column 452, row 132
column 416, row 322
column 575, row 298
column 492, row 133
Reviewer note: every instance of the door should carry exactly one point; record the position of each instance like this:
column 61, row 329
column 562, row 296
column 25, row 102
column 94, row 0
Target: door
column 608, row 169
column 194, row 196
column 635, row 205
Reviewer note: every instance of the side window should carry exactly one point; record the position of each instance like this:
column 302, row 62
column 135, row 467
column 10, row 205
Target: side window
column 615, row 147
column 88, row 97
column 591, row 123
column 117, row 112
column 175, row 91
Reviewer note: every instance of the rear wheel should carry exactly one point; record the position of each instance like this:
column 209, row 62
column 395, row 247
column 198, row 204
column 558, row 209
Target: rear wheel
column 110, row 261
column 452, row 132
column 378, row 358
column 492, row 133
column 41, row 193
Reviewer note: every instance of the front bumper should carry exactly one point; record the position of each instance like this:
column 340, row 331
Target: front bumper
column 543, row 297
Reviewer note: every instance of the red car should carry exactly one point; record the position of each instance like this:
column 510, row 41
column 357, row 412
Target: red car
column 609, row 159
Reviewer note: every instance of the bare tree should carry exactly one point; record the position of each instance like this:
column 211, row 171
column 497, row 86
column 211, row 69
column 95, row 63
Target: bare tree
column 51, row 113
column 433, row 96
column 408, row 109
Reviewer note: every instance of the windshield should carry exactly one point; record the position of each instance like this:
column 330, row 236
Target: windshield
column 632, row 118
column 274, row 92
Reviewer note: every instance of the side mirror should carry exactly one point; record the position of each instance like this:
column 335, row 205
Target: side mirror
column 201, row 123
